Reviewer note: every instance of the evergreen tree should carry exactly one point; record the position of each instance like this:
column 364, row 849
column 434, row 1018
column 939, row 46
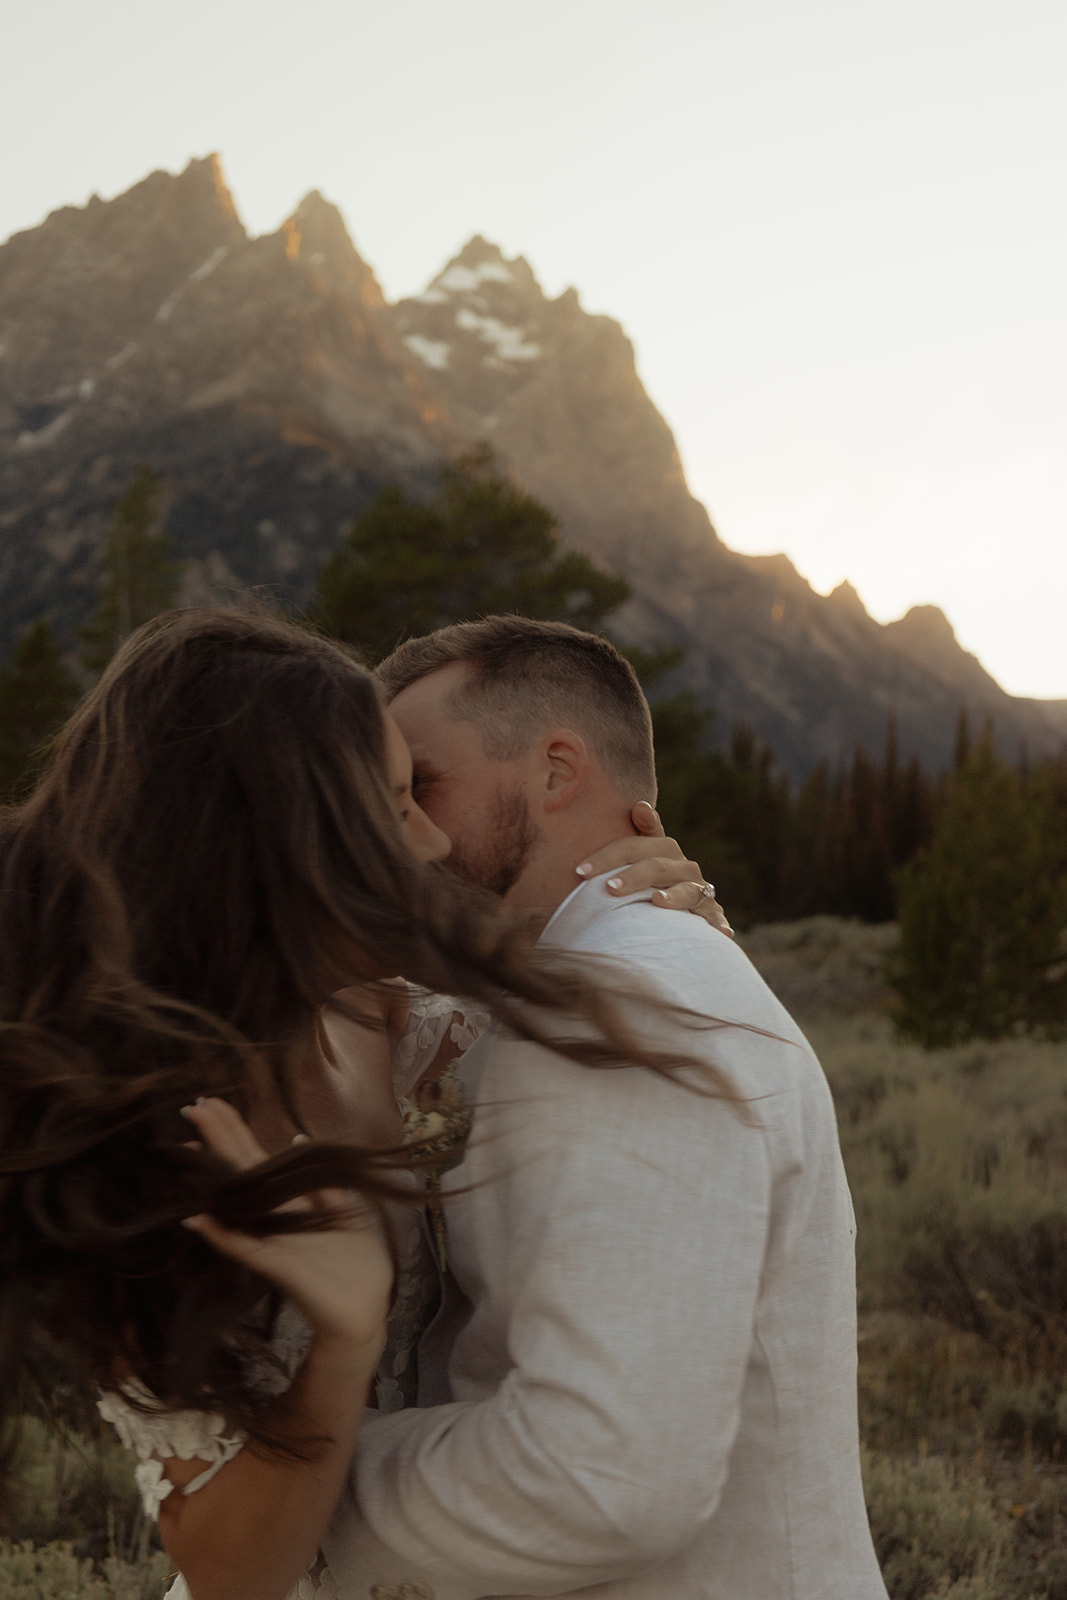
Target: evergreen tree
column 806, row 867
column 37, row 695
column 729, row 807
column 139, row 578
column 480, row 546
column 962, row 747
column 865, row 886
column 983, row 912
column 689, row 802
column 851, row 832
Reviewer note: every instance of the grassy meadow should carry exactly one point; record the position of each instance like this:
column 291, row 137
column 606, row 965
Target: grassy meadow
column 957, row 1161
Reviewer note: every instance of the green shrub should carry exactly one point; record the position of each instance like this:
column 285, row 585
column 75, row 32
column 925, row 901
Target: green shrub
column 937, row 1533
column 982, row 913
column 957, row 1167
column 54, row 1572
column 70, row 1486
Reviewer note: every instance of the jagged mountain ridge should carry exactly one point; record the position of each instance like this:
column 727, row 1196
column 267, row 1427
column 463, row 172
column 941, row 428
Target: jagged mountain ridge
column 274, row 389
column 260, row 377
column 557, row 391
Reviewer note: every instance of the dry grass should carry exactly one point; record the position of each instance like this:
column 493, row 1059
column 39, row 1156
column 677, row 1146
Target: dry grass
column 957, row 1160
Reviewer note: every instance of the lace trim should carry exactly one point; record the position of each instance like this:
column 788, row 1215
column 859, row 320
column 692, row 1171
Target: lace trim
column 431, row 1019
column 156, row 1435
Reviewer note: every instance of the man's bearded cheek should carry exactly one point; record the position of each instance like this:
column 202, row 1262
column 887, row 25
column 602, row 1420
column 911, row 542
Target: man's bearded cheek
column 497, row 859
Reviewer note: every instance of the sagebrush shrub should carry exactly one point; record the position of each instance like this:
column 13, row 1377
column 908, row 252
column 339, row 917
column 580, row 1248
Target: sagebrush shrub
column 937, row 1533
column 54, row 1572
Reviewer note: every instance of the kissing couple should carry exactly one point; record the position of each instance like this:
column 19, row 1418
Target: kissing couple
column 251, row 1024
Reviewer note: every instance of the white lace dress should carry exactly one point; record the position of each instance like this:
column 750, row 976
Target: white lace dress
column 437, row 1026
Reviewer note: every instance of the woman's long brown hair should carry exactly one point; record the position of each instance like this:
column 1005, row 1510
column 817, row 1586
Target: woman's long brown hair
column 213, row 849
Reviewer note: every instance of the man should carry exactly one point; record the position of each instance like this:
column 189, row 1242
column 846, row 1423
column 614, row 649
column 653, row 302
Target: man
column 651, row 1383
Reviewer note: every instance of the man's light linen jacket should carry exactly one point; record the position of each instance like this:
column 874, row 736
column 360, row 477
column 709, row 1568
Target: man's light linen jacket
column 653, row 1386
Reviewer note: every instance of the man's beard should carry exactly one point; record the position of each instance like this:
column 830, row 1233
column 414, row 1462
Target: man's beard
column 498, row 859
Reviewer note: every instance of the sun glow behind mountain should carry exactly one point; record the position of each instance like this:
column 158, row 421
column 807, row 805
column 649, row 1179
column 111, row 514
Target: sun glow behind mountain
column 828, row 229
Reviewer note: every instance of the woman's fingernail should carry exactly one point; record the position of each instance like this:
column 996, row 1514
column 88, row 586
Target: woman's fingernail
column 186, row 1111
column 614, row 883
column 300, row 1138
column 660, row 895
column 585, row 869
column 192, row 1223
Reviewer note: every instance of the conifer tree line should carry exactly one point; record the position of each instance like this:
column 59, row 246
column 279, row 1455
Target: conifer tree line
column 38, row 690
column 972, row 862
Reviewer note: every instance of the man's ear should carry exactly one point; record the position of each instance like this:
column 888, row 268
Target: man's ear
column 565, row 768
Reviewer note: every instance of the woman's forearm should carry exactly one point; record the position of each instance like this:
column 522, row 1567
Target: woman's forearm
column 252, row 1530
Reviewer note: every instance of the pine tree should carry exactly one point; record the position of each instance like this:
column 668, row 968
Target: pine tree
column 37, row 694
column 139, row 579
column 482, row 545
column 690, row 785
column 983, row 911
column 729, row 807
column 866, row 886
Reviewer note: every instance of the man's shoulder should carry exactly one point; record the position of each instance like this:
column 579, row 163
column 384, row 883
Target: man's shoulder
column 675, row 957
column 671, row 950
column 593, row 920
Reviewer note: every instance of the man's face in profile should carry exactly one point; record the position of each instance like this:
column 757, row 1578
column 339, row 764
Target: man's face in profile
column 479, row 802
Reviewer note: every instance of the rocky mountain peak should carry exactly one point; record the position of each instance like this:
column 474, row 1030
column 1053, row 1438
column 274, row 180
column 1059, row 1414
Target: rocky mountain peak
column 926, row 636
column 202, row 188
column 483, row 277
column 275, row 393
column 847, row 597
column 479, row 317
column 78, row 294
column 925, row 624
column 316, row 236
column 481, row 266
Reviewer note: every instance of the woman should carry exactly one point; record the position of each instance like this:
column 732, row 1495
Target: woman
column 225, row 841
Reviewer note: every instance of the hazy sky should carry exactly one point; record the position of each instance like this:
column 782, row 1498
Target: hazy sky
column 835, row 231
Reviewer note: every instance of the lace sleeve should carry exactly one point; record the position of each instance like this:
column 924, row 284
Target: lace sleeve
column 156, row 1435
column 432, row 1019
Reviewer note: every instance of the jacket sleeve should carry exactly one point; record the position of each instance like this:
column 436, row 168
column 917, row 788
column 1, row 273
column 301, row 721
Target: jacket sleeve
column 615, row 1232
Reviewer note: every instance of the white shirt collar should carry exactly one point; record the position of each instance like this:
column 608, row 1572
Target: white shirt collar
column 582, row 907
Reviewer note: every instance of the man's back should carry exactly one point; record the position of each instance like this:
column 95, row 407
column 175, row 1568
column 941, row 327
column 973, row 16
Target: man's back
column 653, row 1383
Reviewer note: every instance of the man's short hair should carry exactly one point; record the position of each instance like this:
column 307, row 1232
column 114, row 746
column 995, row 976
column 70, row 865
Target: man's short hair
column 526, row 677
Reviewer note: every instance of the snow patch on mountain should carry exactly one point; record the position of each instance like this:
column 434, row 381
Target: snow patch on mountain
column 434, row 352
column 43, row 436
column 458, row 279
column 167, row 308
column 510, row 343
column 198, row 274
column 208, row 267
